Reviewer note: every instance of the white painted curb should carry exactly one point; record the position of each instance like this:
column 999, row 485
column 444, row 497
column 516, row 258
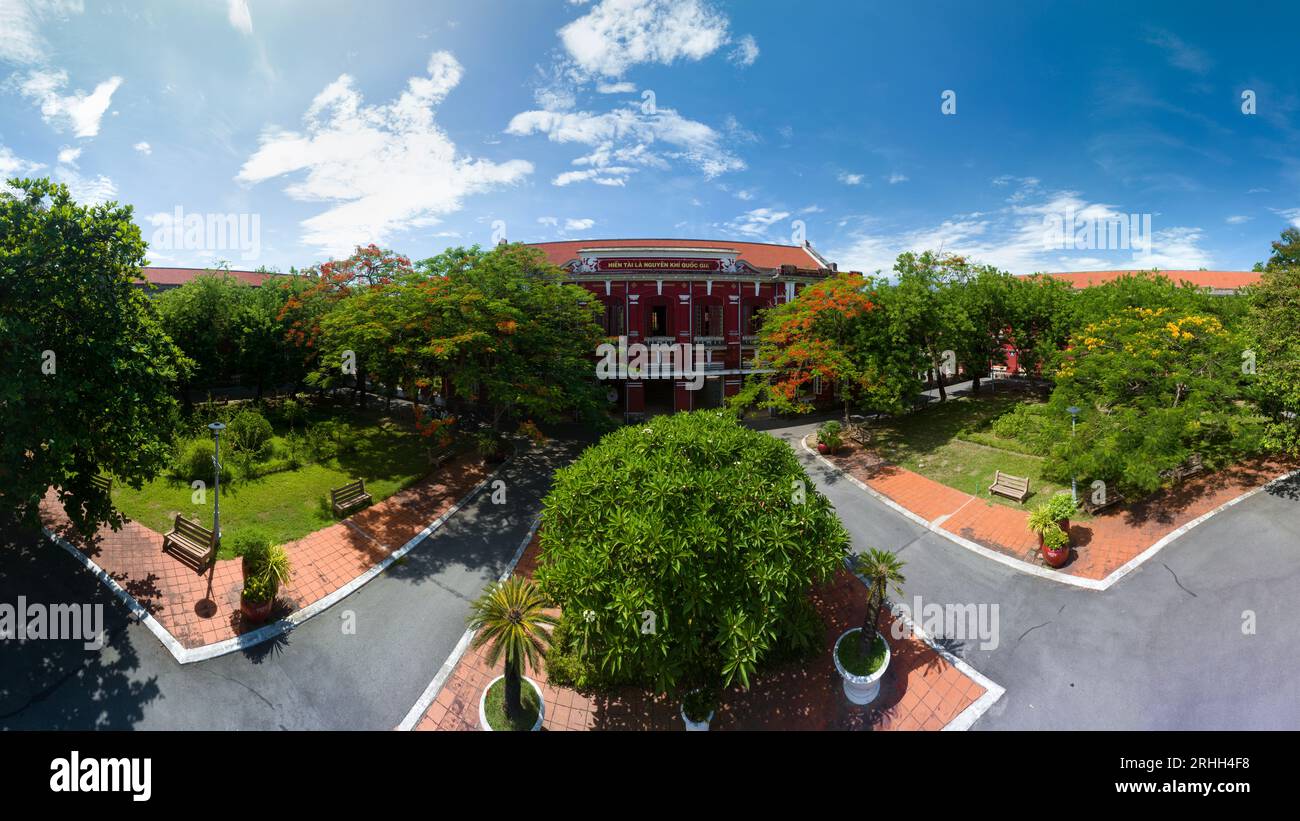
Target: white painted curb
column 430, row 693
column 189, row 655
column 1025, row 567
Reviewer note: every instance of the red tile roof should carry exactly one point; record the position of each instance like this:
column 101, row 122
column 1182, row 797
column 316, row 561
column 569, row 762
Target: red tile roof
column 1218, row 280
column 180, row 276
column 758, row 254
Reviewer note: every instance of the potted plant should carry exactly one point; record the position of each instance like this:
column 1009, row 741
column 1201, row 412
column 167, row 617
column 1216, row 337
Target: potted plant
column 828, row 437
column 698, row 708
column 257, row 598
column 266, row 567
column 510, row 619
column 1051, row 521
column 491, row 446
column 862, row 655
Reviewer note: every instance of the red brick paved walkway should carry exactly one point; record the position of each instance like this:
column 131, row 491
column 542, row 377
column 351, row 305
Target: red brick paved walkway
column 920, row 691
column 1101, row 546
column 200, row 609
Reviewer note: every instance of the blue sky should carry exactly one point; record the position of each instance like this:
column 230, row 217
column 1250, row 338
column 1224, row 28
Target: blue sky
column 420, row 125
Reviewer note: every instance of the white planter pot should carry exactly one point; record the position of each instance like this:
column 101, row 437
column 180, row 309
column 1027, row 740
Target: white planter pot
column 482, row 704
column 859, row 689
column 696, row 726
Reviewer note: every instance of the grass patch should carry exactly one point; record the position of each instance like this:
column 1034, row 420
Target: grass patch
column 288, row 504
column 855, row 661
column 952, row 443
column 495, row 707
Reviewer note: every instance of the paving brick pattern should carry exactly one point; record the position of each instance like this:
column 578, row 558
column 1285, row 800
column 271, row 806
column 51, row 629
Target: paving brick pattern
column 1101, row 545
column 920, row 691
column 203, row 608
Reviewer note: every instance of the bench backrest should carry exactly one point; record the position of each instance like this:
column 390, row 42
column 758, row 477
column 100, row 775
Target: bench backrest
column 350, row 490
column 193, row 531
column 1016, row 483
column 102, row 482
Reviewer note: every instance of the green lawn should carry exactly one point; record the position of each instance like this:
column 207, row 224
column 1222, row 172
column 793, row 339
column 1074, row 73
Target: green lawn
column 288, row 505
column 952, row 443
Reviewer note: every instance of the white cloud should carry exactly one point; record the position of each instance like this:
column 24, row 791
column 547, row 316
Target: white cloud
column 79, row 111
column 1179, row 53
column 745, row 52
column 86, row 190
column 757, row 222
column 143, row 148
column 896, row 178
column 618, row 34
column 578, row 224
column 239, row 16
column 744, row 196
column 15, row 166
column 20, row 21
column 1292, row 214
column 1013, row 238
column 551, row 221
column 626, row 139
column 615, row 88
column 850, row 179
column 383, row 168
column 69, row 155
column 1237, row 219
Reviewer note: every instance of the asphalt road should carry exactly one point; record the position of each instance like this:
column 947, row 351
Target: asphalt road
column 407, row 621
column 1162, row 649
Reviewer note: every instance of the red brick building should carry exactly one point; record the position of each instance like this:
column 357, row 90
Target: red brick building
column 706, row 293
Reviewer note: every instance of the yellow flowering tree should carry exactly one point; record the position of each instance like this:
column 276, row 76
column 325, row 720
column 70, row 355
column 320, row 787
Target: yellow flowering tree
column 1153, row 386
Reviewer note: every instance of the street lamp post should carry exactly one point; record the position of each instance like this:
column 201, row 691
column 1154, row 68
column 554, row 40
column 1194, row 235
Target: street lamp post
column 216, row 428
column 1074, row 489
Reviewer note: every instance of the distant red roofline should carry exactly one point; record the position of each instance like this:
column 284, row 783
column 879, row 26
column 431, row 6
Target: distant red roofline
column 766, row 255
column 1215, row 280
column 179, row 276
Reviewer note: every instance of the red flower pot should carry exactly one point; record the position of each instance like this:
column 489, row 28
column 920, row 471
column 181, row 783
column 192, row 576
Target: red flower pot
column 256, row 612
column 1054, row 558
column 822, row 449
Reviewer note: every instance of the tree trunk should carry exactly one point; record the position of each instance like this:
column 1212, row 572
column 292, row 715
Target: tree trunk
column 514, row 693
column 361, row 386
column 975, row 384
column 867, row 638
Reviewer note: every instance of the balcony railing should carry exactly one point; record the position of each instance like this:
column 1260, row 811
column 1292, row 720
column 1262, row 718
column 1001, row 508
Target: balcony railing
column 710, row 340
column 749, row 339
column 661, row 340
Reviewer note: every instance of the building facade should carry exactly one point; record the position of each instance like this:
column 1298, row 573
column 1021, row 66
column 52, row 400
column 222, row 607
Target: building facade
column 707, row 294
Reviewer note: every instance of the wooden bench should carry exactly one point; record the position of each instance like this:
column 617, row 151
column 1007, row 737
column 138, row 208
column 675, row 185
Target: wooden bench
column 1191, row 467
column 104, row 483
column 191, row 540
column 349, row 496
column 1012, row 487
column 1092, row 507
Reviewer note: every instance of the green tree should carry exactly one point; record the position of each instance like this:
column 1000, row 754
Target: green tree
column 1273, row 336
column 839, row 330
column 511, row 621
column 883, row 572
column 1153, row 386
column 683, row 551
column 1286, row 252
column 925, row 309
column 89, row 371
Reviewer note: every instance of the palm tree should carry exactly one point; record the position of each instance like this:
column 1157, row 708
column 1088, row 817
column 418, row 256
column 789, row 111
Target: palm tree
column 510, row 619
column 883, row 571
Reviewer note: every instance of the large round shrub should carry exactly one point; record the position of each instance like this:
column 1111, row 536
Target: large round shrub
column 250, row 433
column 683, row 551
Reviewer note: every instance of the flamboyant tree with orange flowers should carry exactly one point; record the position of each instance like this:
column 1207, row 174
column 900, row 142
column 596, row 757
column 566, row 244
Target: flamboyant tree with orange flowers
column 837, row 330
column 333, row 282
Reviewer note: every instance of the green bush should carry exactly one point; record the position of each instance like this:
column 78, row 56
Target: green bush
column 683, row 552
column 194, row 461
column 250, row 433
column 1033, row 426
column 829, row 435
column 258, row 589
